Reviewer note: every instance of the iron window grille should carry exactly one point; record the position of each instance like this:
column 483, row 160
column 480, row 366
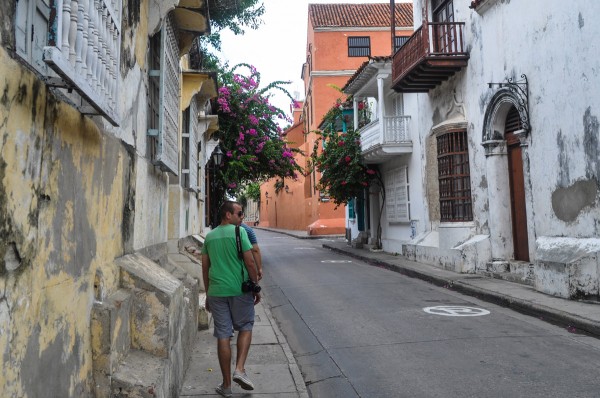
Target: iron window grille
column 454, row 177
column 359, row 46
column 399, row 41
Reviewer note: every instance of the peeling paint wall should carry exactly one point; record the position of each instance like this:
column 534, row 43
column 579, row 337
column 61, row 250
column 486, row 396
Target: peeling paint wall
column 75, row 193
column 62, row 193
column 557, row 48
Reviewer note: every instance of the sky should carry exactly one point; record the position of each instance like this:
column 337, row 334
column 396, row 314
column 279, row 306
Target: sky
column 278, row 48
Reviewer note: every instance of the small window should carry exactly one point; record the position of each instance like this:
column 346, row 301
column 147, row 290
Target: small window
column 454, row 177
column 397, row 195
column 359, row 46
column 399, row 41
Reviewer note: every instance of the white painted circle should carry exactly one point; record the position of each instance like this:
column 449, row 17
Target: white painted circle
column 336, row 261
column 455, row 310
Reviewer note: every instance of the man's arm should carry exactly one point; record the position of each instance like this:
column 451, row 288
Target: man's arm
column 257, row 260
column 250, row 265
column 205, row 267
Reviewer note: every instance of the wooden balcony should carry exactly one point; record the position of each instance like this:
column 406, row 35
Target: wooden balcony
column 431, row 55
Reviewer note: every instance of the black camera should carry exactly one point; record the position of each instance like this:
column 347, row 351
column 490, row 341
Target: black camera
column 250, row 286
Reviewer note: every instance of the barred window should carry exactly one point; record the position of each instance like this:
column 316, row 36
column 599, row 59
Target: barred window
column 454, row 177
column 359, row 46
column 399, row 41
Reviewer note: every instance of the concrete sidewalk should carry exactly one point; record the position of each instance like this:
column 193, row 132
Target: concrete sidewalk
column 270, row 365
column 576, row 316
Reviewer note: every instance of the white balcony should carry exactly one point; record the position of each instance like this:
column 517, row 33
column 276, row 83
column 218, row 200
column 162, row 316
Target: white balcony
column 381, row 141
column 83, row 49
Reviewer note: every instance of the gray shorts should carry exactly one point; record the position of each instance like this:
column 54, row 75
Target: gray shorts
column 231, row 313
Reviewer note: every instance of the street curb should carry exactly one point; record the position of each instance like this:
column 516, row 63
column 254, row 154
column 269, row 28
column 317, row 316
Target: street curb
column 460, row 284
column 293, row 365
column 297, row 235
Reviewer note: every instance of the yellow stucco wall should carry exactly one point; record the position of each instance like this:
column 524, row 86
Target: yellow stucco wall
column 62, row 192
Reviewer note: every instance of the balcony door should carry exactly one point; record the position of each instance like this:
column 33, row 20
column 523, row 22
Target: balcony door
column 444, row 36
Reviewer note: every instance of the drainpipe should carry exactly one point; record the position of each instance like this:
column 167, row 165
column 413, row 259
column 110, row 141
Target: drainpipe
column 355, row 108
column 393, row 24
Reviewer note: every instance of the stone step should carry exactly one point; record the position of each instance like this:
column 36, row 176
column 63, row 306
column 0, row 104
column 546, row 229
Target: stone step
column 111, row 337
column 160, row 311
column 202, row 312
column 142, row 375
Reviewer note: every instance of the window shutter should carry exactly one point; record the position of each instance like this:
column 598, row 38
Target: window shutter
column 22, row 27
column 39, row 38
column 193, row 147
column 167, row 156
column 397, row 197
column 402, row 195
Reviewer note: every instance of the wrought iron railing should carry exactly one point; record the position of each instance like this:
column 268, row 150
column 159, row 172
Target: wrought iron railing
column 83, row 49
column 432, row 39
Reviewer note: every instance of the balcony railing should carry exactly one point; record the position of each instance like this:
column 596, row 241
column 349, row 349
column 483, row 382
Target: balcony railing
column 380, row 140
column 432, row 54
column 83, row 49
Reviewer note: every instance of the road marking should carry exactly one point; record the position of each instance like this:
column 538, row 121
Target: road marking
column 304, row 248
column 455, row 310
column 336, row 261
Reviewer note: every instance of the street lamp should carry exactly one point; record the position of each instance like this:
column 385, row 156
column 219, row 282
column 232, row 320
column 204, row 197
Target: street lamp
column 217, row 156
column 217, row 191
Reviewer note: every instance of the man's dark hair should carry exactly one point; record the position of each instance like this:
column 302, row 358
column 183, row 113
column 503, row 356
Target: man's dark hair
column 227, row 207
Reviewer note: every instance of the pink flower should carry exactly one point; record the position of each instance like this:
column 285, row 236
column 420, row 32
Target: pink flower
column 347, row 159
column 229, row 154
column 340, row 143
column 231, row 185
column 253, row 119
column 344, row 183
column 371, row 171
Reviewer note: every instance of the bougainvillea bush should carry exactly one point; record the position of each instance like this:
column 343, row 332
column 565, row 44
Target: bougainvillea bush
column 250, row 137
column 337, row 156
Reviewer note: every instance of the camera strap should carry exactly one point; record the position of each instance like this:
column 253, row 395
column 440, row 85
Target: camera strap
column 238, row 242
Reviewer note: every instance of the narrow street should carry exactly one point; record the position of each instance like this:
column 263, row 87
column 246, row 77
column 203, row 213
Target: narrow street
column 361, row 331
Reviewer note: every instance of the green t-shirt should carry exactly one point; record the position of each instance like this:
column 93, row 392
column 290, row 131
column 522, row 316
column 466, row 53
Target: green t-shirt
column 225, row 272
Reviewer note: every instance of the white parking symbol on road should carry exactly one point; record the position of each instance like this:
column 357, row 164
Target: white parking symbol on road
column 455, row 310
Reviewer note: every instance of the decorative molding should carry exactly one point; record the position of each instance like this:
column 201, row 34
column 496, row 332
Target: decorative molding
column 520, row 90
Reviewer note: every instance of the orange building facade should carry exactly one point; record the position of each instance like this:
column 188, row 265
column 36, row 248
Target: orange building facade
column 340, row 37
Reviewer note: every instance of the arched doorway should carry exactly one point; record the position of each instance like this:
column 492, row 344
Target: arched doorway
column 517, row 185
column 505, row 139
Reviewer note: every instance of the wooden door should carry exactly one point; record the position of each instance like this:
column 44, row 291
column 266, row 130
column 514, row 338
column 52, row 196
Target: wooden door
column 517, row 186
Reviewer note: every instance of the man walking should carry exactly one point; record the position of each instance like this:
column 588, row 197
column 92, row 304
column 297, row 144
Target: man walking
column 232, row 309
column 255, row 249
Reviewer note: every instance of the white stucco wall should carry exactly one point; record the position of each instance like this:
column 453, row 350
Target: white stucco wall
column 556, row 47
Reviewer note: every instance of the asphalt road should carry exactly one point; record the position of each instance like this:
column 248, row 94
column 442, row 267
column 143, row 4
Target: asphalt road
column 361, row 331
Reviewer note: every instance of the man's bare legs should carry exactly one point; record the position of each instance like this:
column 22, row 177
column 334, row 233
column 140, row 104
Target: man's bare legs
column 224, row 354
column 243, row 347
